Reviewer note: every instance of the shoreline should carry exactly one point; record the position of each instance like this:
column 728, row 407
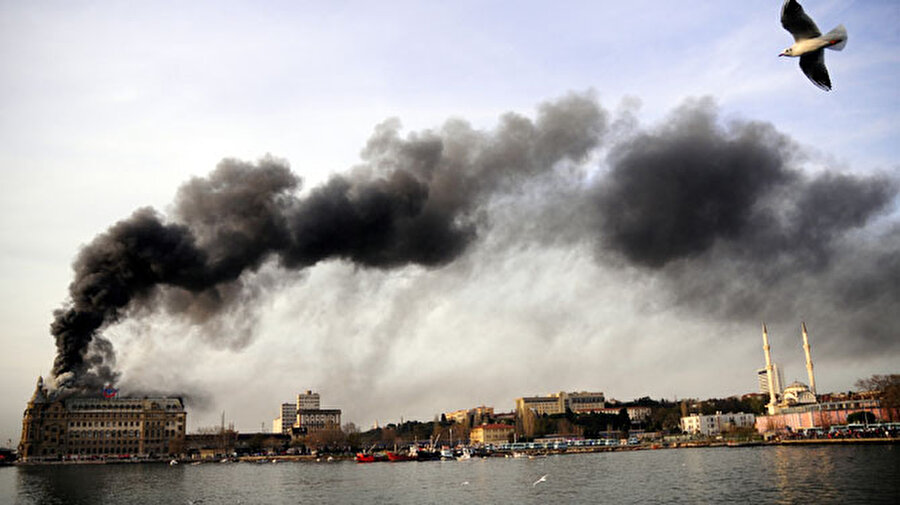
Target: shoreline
column 530, row 453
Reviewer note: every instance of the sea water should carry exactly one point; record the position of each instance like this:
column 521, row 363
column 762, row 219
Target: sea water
column 769, row 474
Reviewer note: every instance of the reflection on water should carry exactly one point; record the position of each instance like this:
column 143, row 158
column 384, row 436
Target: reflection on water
column 819, row 474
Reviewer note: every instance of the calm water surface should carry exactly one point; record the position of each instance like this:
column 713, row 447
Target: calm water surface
column 808, row 475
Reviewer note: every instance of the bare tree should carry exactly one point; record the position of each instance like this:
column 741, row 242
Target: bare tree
column 887, row 388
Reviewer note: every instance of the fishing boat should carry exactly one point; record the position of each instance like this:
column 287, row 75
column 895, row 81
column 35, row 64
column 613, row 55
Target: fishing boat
column 362, row 457
column 399, row 456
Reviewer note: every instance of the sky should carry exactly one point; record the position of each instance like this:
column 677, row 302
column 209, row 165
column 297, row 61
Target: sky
column 434, row 206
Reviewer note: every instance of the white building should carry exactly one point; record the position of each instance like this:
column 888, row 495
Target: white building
column 777, row 380
column 716, row 423
column 282, row 424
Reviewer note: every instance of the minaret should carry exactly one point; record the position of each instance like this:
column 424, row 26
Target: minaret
column 809, row 365
column 769, row 371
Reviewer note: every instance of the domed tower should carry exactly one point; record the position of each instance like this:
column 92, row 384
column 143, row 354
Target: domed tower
column 31, row 420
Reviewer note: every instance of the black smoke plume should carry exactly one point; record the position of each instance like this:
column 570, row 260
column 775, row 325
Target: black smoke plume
column 721, row 213
column 724, row 215
column 412, row 202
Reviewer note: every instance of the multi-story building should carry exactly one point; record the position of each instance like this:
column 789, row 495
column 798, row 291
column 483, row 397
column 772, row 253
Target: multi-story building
column 717, row 423
column 557, row 403
column 763, row 379
column 313, row 420
column 288, row 416
column 491, row 434
column 473, row 416
column 635, row 414
column 306, row 415
column 308, row 401
column 583, row 402
column 87, row 427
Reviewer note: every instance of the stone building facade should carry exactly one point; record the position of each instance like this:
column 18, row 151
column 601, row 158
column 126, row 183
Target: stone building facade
column 79, row 427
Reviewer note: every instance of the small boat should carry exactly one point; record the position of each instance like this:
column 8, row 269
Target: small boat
column 464, row 455
column 365, row 458
column 173, row 462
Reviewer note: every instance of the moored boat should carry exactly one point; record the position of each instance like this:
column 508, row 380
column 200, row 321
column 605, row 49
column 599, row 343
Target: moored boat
column 399, row 456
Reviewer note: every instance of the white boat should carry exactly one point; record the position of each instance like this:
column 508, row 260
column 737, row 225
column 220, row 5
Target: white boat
column 464, row 455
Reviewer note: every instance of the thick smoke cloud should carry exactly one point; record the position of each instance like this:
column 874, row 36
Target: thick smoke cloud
column 726, row 218
column 677, row 192
column 723, row 215
column 411, row 202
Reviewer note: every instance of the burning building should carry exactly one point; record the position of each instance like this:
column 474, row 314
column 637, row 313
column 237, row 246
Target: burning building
column 58, row 427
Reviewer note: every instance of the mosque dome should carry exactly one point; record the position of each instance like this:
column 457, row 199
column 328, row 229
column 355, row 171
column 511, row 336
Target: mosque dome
column 798, row 394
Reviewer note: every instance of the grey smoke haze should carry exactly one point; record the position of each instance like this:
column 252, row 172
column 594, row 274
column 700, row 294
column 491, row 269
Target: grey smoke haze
column 723, row 215
column 727, row 217
column 411, row 202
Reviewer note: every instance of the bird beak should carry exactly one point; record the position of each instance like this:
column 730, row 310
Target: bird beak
column 781, row 54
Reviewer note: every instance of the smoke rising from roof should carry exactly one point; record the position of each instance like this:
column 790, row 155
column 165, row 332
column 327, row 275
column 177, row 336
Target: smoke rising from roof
column 722, row 214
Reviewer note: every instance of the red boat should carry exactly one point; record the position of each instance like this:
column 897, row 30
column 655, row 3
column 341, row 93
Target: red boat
column 365, row 458
column 396, row 456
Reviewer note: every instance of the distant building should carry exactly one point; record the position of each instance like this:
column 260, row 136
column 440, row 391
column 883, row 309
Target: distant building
column 635, row 414
column 79, row 427
column 585, row 402
column 491, row 434
column 763, row 380
column 822, row 415
column 472, row 416
column 557, row 403
column 313, row 420
column 717, row 423
column 308, row 401
column 306, row 416
column 288, row 416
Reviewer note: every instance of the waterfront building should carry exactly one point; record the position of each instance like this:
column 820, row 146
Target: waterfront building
column 314, row 420
column 288, row 416
column 81, row 427
column 710, row 425
column 557, row 403
column 491, row 434
column 798, row 406
column 822, row 415
column 799, row 393
column 306, row 416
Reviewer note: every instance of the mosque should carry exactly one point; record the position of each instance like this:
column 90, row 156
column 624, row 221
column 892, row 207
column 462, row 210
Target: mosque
column 797, row 406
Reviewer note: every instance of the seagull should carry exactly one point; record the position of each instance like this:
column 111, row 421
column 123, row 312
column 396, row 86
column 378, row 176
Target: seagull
column 809, row 43
column 542, row 479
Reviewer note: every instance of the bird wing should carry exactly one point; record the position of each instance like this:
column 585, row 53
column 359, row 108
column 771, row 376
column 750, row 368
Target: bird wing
column 794, row 20
column 813, row 65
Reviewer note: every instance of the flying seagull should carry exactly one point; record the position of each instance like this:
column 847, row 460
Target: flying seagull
column 809, row 43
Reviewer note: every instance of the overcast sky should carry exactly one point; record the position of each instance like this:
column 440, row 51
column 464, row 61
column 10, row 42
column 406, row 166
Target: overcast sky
column 570, row 277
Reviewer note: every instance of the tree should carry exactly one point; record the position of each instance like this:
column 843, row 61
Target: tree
column 888, row 391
